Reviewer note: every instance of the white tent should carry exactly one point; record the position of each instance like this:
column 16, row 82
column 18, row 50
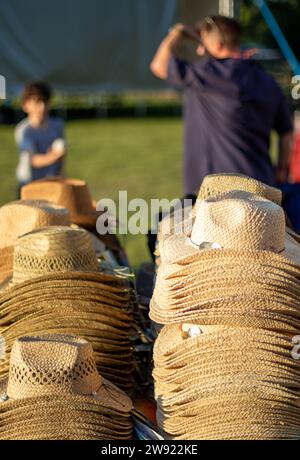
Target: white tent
column 92, row 45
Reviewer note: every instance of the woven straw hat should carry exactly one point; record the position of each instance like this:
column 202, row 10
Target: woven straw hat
column 234, row 220
column 73, row 194
column 20, row 217
column 214, row 185
column 59, row 371
column 51, row 250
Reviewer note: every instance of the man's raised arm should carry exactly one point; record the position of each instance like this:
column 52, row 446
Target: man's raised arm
column 160, row 62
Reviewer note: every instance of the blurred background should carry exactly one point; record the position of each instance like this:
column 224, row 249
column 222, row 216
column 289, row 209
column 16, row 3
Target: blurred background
column 123, row 126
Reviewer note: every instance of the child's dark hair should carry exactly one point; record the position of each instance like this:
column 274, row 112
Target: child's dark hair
column 37, row 89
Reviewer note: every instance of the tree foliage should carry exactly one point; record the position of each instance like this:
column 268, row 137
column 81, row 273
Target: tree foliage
column 287, row 14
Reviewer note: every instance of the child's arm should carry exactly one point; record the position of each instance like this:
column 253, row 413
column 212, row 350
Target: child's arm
column 43, row 160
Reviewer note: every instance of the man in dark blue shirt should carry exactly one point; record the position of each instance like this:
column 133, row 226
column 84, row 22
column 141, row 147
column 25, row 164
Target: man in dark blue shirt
column 231, row 106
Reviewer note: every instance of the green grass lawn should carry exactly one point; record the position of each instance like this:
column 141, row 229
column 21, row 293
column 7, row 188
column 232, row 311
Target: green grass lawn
column 142, row 156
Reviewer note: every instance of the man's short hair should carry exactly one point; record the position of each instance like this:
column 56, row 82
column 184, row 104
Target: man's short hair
column 229, row 29
column 37, row 89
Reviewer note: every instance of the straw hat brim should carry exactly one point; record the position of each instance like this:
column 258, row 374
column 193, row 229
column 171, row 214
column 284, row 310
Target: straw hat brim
column 7, row 256
column 114, row 285
column 54, row 417
column 234, row 312
column 178, row 246
column 107, row 396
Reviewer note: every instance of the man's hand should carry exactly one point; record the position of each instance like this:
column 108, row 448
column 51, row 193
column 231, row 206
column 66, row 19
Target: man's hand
column 177, row 31
column 160, row 62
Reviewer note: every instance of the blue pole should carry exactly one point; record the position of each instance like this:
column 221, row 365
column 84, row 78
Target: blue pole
column 280, row 38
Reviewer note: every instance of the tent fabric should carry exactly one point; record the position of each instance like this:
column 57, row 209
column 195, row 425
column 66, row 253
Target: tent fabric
column 95, row 45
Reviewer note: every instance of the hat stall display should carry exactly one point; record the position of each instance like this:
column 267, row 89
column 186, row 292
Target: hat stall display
column 53, row 380
column 225, row 303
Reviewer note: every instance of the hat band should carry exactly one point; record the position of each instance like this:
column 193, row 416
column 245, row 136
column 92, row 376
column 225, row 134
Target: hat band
column 210, row 245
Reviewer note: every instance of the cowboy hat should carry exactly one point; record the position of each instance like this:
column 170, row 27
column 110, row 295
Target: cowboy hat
column 74, row 194
column 20, row 217
column 54, row 377
column 235, row 220
column 182, row 220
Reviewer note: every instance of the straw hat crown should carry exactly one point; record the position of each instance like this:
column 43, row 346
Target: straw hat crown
column 240, row 220
column 20, row 217
column 52, row 365
column 215, row 184
column 52, row 250
column 74, row 194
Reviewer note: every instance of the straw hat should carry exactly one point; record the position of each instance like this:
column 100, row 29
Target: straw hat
column 215, row 184
column 182, row 220
column 234, row 220
column 51, row 250
column 20, row 217
column 55, row 371
column 74, row 194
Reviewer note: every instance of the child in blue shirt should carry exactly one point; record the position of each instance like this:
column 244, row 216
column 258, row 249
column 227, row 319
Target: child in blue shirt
column 40, row 137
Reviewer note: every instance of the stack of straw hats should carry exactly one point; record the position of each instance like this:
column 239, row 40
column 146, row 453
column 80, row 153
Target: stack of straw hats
column 53, row 382
column 217, row 382
column 23, row 216
column 228, row 293
column 57, row 287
